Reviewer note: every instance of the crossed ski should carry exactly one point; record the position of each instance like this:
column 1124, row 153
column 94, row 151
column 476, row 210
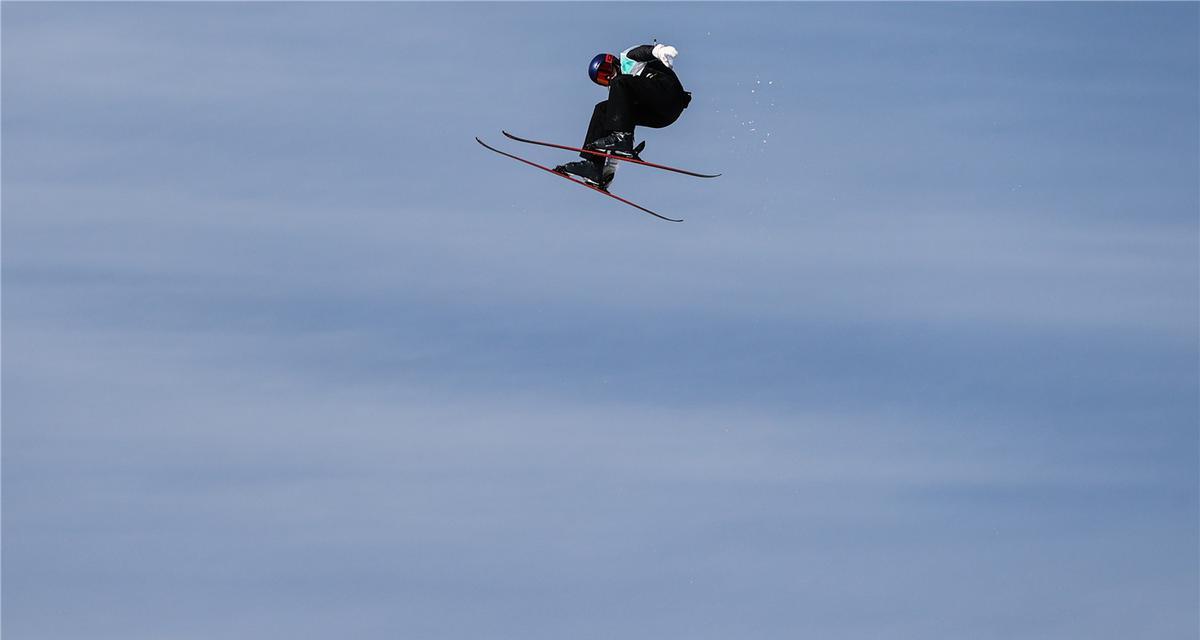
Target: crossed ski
column 621, row 158
column 635, row 159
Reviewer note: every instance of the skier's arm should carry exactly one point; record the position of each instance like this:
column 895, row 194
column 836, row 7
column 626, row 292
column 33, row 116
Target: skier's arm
column 644, row 53
column 647, row 52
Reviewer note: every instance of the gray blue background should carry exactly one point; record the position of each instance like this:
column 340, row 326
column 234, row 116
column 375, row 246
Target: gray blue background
column 288, row 355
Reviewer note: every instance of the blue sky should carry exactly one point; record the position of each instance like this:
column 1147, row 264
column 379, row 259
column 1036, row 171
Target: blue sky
column 287, row 354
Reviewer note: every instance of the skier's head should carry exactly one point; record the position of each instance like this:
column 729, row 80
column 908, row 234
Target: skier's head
column 604, row 67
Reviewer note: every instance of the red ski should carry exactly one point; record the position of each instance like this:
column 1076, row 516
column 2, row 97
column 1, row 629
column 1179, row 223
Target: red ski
column 634, row 159
column 578, row 182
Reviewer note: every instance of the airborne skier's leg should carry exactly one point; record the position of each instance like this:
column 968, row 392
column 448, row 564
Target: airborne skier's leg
column 592, row 168
column 597, row 127
column 632, row 101
column 619, row 117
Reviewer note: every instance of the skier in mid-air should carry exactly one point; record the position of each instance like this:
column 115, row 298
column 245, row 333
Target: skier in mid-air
column 643, row 90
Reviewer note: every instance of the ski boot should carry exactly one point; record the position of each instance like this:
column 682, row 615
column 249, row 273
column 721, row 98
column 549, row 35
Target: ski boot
column 596, row 172
column 618, row 143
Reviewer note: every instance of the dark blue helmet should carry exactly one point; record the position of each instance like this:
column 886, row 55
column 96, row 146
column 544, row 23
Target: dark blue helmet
column 604, row 67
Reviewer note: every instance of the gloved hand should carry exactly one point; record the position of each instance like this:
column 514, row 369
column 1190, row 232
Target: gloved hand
column 665, row 54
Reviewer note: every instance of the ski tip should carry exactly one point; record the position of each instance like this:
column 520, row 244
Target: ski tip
column 662, row 217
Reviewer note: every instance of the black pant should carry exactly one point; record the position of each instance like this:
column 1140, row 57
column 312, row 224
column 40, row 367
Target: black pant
column 636, row 101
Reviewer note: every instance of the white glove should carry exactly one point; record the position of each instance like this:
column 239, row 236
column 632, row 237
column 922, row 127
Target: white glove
column 665, row 54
